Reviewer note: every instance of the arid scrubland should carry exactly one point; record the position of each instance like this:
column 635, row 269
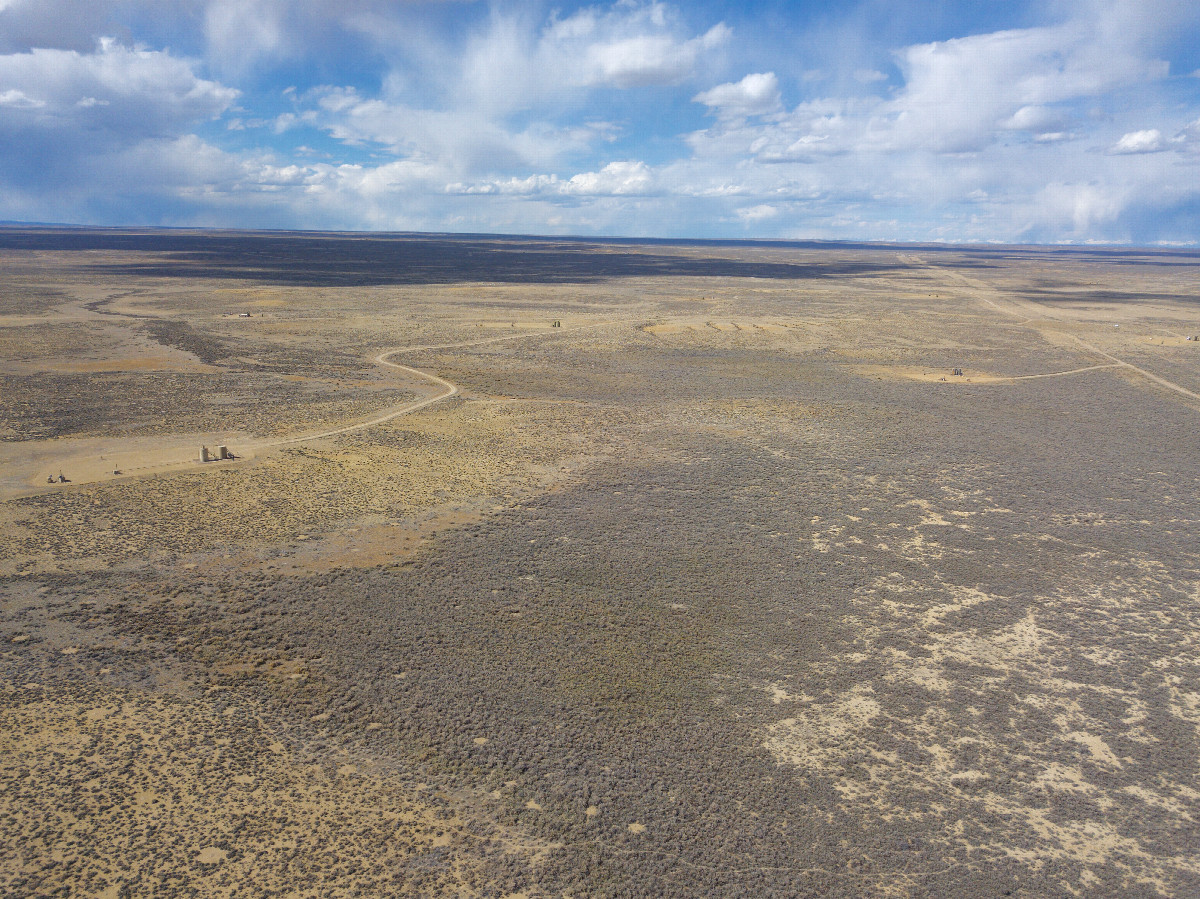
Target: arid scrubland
column 726, row 585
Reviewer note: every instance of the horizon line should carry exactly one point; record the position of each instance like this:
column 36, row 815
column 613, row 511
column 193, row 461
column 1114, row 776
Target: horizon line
column 1175, row 247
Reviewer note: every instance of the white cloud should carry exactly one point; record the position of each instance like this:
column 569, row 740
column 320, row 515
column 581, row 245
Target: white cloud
column 81, row 132
column 240, row 32
column 961, row 96
column 756, row 94
column 1041, row 119
column 1190, row 133
column 754, row 214
column 869, row 76
column 116, row 94
column 246, row 35
column 958, row 92
column 459, row 140
column 1079, row 208
column 500, row 116
column 512, row 64
column 625, row 178
column 505, row 103
column 649, row 59
column 985, row 137
column 615, row 179
column 1148, row 141
column 18, row 99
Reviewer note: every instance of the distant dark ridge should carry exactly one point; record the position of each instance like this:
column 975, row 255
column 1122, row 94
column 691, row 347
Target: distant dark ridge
column 475, row 236
column 615, row 240
column 341, row 259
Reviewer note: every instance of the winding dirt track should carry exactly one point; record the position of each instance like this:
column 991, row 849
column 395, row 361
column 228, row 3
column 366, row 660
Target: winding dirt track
column 1058, row 374
column 450, row 388
column 94, row 461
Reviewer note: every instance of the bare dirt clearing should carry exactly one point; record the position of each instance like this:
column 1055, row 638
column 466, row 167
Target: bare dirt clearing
column 716, row 588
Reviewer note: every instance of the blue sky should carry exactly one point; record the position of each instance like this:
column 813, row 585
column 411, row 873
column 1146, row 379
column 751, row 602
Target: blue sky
column 1061, row 121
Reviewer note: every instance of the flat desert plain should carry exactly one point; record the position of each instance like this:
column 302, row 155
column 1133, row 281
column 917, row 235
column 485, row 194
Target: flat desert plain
column 614, row 568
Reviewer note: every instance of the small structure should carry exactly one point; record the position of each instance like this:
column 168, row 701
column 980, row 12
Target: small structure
column 204, row 454
column 222, row 452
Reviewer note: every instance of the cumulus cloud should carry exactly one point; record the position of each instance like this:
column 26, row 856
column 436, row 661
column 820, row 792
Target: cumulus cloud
column 625, row 178
column 615, row 179
column 1147, row 141
column 511, row 64
column 754, row 214
column 460, row 140
column 1039, row 119
column 1053, row 137
column 18, row 99
column 630, row 45
column 505, row 116
column 648, row 59
column 756, row 94
column 116, row 94
column 504, row 104
column 107, row 125
column 990, row 132
column 957, row 93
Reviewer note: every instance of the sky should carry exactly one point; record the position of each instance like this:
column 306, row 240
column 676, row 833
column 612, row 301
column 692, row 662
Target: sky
column 1057, row 121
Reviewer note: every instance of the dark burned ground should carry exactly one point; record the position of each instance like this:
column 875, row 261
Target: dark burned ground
column 798, row 632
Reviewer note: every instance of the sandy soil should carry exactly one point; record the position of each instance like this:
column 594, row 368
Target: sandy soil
column 716, row 588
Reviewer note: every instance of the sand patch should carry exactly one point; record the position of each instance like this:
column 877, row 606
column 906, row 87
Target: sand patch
column 667, row 328
column 925, row 374
column 968, row 376
column 816, row 739
column 1172, row 341
column 780, row 695
column 27, row 464
column 1100, row 751
column 519, row 325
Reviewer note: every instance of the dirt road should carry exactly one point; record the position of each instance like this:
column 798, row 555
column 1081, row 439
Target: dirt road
column 1027, row 310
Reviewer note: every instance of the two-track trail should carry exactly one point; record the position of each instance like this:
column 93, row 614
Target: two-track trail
column 1028, row 310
